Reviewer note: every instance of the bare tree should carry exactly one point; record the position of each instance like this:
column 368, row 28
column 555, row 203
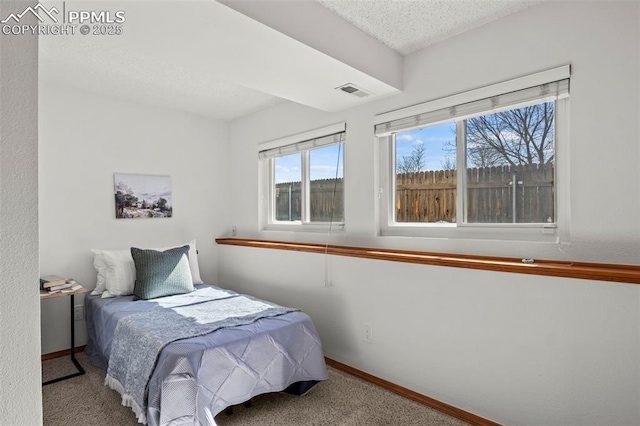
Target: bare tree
column 518, row 136
column 414, row 162
column 448, row 164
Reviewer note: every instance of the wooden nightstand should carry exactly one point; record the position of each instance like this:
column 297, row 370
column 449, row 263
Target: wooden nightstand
column 45, row 295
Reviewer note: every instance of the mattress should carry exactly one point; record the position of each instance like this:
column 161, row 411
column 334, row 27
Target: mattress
column 196, row 378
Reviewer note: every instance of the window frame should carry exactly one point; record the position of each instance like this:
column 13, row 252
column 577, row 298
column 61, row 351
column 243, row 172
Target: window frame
column 267, row 172
column 555, row 232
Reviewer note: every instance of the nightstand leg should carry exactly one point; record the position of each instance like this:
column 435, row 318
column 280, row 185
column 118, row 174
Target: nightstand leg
column 73, row 343
column 73, row 349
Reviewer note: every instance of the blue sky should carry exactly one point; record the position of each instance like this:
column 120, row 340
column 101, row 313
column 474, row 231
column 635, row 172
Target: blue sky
column 323, row 163
column 323, row 160
column 435, row 138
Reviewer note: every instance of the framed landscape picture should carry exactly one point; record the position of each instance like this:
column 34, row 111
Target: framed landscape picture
column 142, row 196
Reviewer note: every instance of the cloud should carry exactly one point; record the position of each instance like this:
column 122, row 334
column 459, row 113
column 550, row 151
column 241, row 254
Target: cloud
column 286, row 174
column 324, row 172
column 509, row 135
column 323, row 169
column 405, row 137
column 283, row 169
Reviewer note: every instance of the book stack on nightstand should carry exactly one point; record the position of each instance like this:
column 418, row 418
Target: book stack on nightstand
column 54, row 284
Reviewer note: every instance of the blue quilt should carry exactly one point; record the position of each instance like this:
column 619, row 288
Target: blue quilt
column 139, row 338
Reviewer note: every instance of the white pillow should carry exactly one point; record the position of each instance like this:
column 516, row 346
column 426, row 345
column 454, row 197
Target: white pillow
column 193, row 260
column 98, row 264
column 117, row 272
column 193, row 263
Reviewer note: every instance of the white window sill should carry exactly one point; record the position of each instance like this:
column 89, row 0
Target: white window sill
column 323, row 227
column 497, row 232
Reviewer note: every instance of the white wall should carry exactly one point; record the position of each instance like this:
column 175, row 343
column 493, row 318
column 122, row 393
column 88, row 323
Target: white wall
column 513, row 348
column 84, row 139
column 20, row 371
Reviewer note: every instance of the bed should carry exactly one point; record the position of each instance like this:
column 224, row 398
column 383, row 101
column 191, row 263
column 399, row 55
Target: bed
column 220, row 360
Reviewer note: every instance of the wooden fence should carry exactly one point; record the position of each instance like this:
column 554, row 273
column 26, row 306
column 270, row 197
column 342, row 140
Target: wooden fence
column 321, row 200
column 430, row 197
column 491, row 196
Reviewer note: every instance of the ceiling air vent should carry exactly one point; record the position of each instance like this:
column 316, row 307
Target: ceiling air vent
column 354, row 90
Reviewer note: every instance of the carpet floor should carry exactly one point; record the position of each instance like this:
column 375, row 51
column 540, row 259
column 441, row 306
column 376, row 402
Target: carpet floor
column 343, row 400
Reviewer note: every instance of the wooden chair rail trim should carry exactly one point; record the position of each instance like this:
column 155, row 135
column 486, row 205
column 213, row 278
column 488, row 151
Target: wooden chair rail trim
column 629, row 274
column 415, row 396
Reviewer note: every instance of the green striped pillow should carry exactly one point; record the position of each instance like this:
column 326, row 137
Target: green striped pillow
column 161, row 273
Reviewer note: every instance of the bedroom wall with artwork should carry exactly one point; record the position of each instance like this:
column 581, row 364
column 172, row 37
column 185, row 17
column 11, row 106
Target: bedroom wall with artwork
column 512, row 348
column 85, row 139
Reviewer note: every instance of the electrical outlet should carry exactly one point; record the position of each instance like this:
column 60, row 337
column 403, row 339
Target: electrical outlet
column 78, row 313
column 367, row 335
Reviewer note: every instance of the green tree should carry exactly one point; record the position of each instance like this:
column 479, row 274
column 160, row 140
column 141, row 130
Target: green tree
column 162, row 204
column 124, row 200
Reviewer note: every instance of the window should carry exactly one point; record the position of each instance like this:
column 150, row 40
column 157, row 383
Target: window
column 425, row 175
column 506, row 146
column 305, row 179
column 510, row 166
column 287, row 171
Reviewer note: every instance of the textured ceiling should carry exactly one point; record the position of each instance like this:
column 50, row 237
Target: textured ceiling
column 155, row 78
column 410, row 25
